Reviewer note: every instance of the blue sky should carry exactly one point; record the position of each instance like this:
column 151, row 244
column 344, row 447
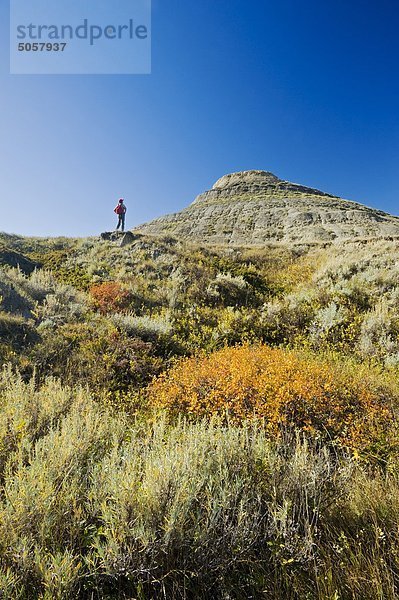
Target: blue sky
column 308, row 90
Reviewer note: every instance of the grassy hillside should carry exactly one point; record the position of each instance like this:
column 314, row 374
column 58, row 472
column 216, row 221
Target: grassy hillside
column 181, row 421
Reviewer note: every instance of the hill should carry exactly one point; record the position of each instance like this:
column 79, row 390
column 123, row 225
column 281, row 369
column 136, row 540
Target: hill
column 256, row 207
column 200, row 421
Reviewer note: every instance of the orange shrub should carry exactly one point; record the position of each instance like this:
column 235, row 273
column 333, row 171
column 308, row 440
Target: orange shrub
column 110, row 296
column 286, row 389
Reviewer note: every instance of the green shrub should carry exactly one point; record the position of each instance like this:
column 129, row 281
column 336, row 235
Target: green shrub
column 95, row 354
column 228, row 290
column 13, row 296
column 17, row 332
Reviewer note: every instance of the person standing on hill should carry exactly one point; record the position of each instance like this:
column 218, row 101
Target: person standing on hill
column 120, row 210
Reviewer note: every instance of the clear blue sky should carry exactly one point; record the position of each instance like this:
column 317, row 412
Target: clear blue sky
column 308, row 90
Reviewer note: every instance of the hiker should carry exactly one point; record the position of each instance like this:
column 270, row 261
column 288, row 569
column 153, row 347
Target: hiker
column 120, row 210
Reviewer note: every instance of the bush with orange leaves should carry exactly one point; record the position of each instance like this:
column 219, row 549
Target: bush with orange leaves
column 286, row 389
column 110, row 296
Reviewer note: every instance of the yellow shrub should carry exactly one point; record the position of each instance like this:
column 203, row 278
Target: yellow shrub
column 284, row 388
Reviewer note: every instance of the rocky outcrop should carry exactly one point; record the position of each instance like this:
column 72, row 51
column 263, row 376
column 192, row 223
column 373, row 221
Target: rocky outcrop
column 123, row 237
column 127, row 239
column 256, row 207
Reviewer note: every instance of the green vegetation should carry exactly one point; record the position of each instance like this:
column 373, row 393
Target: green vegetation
column 95, row 505
column 181, row 421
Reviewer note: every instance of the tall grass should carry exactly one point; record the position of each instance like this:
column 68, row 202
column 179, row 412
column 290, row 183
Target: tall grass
column 94, row 507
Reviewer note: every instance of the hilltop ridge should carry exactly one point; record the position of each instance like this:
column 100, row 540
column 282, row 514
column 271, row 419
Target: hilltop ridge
column 257, row 207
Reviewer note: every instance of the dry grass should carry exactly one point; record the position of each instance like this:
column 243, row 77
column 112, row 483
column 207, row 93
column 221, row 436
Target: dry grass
column 93, row 507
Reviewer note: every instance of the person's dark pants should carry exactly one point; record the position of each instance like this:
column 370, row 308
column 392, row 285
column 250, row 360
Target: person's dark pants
column 121, row 221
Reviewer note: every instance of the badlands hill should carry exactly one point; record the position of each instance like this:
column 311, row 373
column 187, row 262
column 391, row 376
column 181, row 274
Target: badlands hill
column 256, row 207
